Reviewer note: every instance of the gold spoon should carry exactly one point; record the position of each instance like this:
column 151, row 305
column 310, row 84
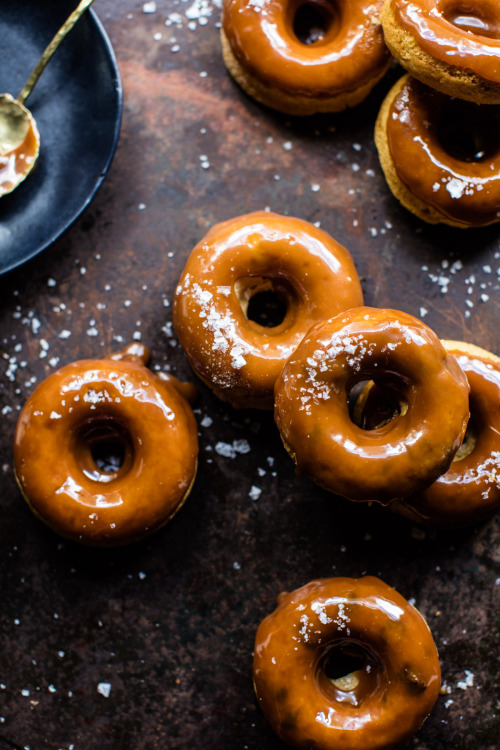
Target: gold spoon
column 19, row 136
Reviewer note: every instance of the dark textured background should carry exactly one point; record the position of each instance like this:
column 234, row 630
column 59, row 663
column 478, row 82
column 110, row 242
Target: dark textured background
column 169, row 623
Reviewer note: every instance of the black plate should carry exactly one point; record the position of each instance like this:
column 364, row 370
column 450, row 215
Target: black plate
column 77, row 104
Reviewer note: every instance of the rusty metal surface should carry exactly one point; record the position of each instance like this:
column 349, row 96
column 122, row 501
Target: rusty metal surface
column 169, row 624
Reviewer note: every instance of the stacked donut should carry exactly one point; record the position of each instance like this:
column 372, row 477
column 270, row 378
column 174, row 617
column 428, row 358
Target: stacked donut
column 437, row 132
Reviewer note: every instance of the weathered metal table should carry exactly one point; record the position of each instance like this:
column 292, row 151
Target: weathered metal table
column 151, row 646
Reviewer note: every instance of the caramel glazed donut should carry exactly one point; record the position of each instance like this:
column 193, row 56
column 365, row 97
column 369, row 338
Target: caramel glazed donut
column 304, row 56
column 469, row 491
column 399, row 353
column 440, row 156
column 451, row 45
column 115, row 409
column 302, row 266
column 345, row 664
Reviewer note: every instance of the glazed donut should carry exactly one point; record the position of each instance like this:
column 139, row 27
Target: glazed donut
column 106, row 408
column 293, row 261
column 398, row 352
column 345, row 664
column 304, row 56
column 469, row 491
column 451, row 45
column 440, row 156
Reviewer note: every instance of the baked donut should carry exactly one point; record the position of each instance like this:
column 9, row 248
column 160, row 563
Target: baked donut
column 345, row 664
column 451, row 45
column 398, row 352
column 105, row 452
column 304, row 56
column 469, row 491
column 440, row 156
column 239, row 262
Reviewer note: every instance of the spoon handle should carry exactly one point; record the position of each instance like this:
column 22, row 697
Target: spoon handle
column 51, row 48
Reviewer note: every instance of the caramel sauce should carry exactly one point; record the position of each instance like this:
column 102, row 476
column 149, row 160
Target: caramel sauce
column 317, row 48
column 464, row 34
column 16, row 165
column 447, row 152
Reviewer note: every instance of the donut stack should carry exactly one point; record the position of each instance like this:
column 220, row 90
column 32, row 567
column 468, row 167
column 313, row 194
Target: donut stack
column 437, row 132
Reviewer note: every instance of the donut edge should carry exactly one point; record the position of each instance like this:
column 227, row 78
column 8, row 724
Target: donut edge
column 286, row 103
column 453, row 347
column 449, row 79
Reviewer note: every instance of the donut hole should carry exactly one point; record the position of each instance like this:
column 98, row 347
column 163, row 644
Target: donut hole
column 264, row 301
column 473, row 18
column 466, row 134
column 348, row 672
column 103, row 449
column 468, row 443
column 372, row 406
column 313, row 22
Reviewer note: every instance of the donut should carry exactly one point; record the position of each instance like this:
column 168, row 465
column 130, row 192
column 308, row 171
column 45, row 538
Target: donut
column 105, row 452
column 440, row 156
column 469, row 492
column 345, row 664
column 239, row 263
column 399, row 353
column 302, row 57
column 450, row 45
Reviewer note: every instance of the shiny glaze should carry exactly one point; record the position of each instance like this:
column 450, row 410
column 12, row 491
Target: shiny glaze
column 238, row 358
column 115, row 399
column 468, row 192
column 470, row 490
column 350, row 54
column 17, row 164
column 399, row 458
column 468, row 39
column 387, row 697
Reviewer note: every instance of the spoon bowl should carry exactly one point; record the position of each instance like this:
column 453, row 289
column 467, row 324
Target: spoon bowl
column 19, row 136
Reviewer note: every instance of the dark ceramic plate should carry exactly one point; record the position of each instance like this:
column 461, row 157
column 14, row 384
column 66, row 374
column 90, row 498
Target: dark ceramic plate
column 77, row 105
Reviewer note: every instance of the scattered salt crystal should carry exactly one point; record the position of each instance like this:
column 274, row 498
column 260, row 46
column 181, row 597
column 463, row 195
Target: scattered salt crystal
column 104, row 688
column 149, row 7
column 468, row 682
column 255, row 492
